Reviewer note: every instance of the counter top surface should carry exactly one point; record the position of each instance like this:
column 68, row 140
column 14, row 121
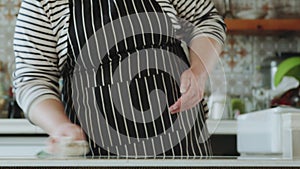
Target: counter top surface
column 85, row 162
column 23, row 126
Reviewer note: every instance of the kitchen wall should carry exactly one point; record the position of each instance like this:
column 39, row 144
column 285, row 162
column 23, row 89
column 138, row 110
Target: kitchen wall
column 243, row 54
column 8, row 12
column 241, row 57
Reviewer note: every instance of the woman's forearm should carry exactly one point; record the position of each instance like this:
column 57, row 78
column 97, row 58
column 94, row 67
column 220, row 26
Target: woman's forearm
column 204, row 54
column 49, row 115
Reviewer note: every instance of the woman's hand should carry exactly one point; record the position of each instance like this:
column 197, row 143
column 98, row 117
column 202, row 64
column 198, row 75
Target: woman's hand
column 65, row 131
column 192, row 90
column 53, row 120
column 203, row 53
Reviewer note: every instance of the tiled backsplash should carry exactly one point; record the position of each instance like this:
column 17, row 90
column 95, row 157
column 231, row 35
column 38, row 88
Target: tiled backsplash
column 241, row 56
column 8, row 12
column 244, row 54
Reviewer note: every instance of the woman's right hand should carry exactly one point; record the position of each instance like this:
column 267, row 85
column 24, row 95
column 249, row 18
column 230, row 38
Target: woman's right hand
column 65, row 130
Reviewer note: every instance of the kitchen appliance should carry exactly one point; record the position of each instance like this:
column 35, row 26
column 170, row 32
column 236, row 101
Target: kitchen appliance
column 270, row 132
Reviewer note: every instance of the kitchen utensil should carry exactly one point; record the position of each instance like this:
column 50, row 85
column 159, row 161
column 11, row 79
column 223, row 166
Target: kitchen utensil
column 268, row 69
column 228, row 9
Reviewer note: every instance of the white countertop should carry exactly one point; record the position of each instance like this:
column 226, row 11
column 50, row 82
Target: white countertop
column 23, row 126
column 82, row 162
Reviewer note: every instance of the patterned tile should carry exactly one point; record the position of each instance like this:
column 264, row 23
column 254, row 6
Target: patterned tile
column 268, row 46
column 8, row 12
column 237, row 54
column 239, row 84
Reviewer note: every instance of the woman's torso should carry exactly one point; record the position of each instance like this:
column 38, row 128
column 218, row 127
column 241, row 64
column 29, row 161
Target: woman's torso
column 120, row 94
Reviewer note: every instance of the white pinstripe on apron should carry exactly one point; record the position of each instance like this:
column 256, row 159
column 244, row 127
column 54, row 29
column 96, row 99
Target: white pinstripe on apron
column 121, row 76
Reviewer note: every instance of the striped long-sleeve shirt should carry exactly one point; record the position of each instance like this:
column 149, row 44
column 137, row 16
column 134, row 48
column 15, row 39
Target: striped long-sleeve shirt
column 41, row 42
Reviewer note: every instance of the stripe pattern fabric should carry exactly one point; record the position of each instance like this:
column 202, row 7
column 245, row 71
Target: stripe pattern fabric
column 52, row 40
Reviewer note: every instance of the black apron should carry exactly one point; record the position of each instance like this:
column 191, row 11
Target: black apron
column 122, row 73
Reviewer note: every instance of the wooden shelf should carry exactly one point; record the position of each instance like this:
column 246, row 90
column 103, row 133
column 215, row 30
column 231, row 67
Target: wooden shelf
column 262, row 26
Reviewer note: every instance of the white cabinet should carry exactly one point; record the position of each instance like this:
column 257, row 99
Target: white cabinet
column 19, row 138
column 21, row 146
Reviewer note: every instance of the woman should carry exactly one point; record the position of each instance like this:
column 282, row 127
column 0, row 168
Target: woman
column 126, row 75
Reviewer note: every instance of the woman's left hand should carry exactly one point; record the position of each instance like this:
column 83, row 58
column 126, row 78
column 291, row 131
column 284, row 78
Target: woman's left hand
column 192, row 90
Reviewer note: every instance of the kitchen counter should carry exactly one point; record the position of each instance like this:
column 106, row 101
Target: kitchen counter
column 23, row 126
column 84, row 162
column 19, row 131
column 19, row 135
